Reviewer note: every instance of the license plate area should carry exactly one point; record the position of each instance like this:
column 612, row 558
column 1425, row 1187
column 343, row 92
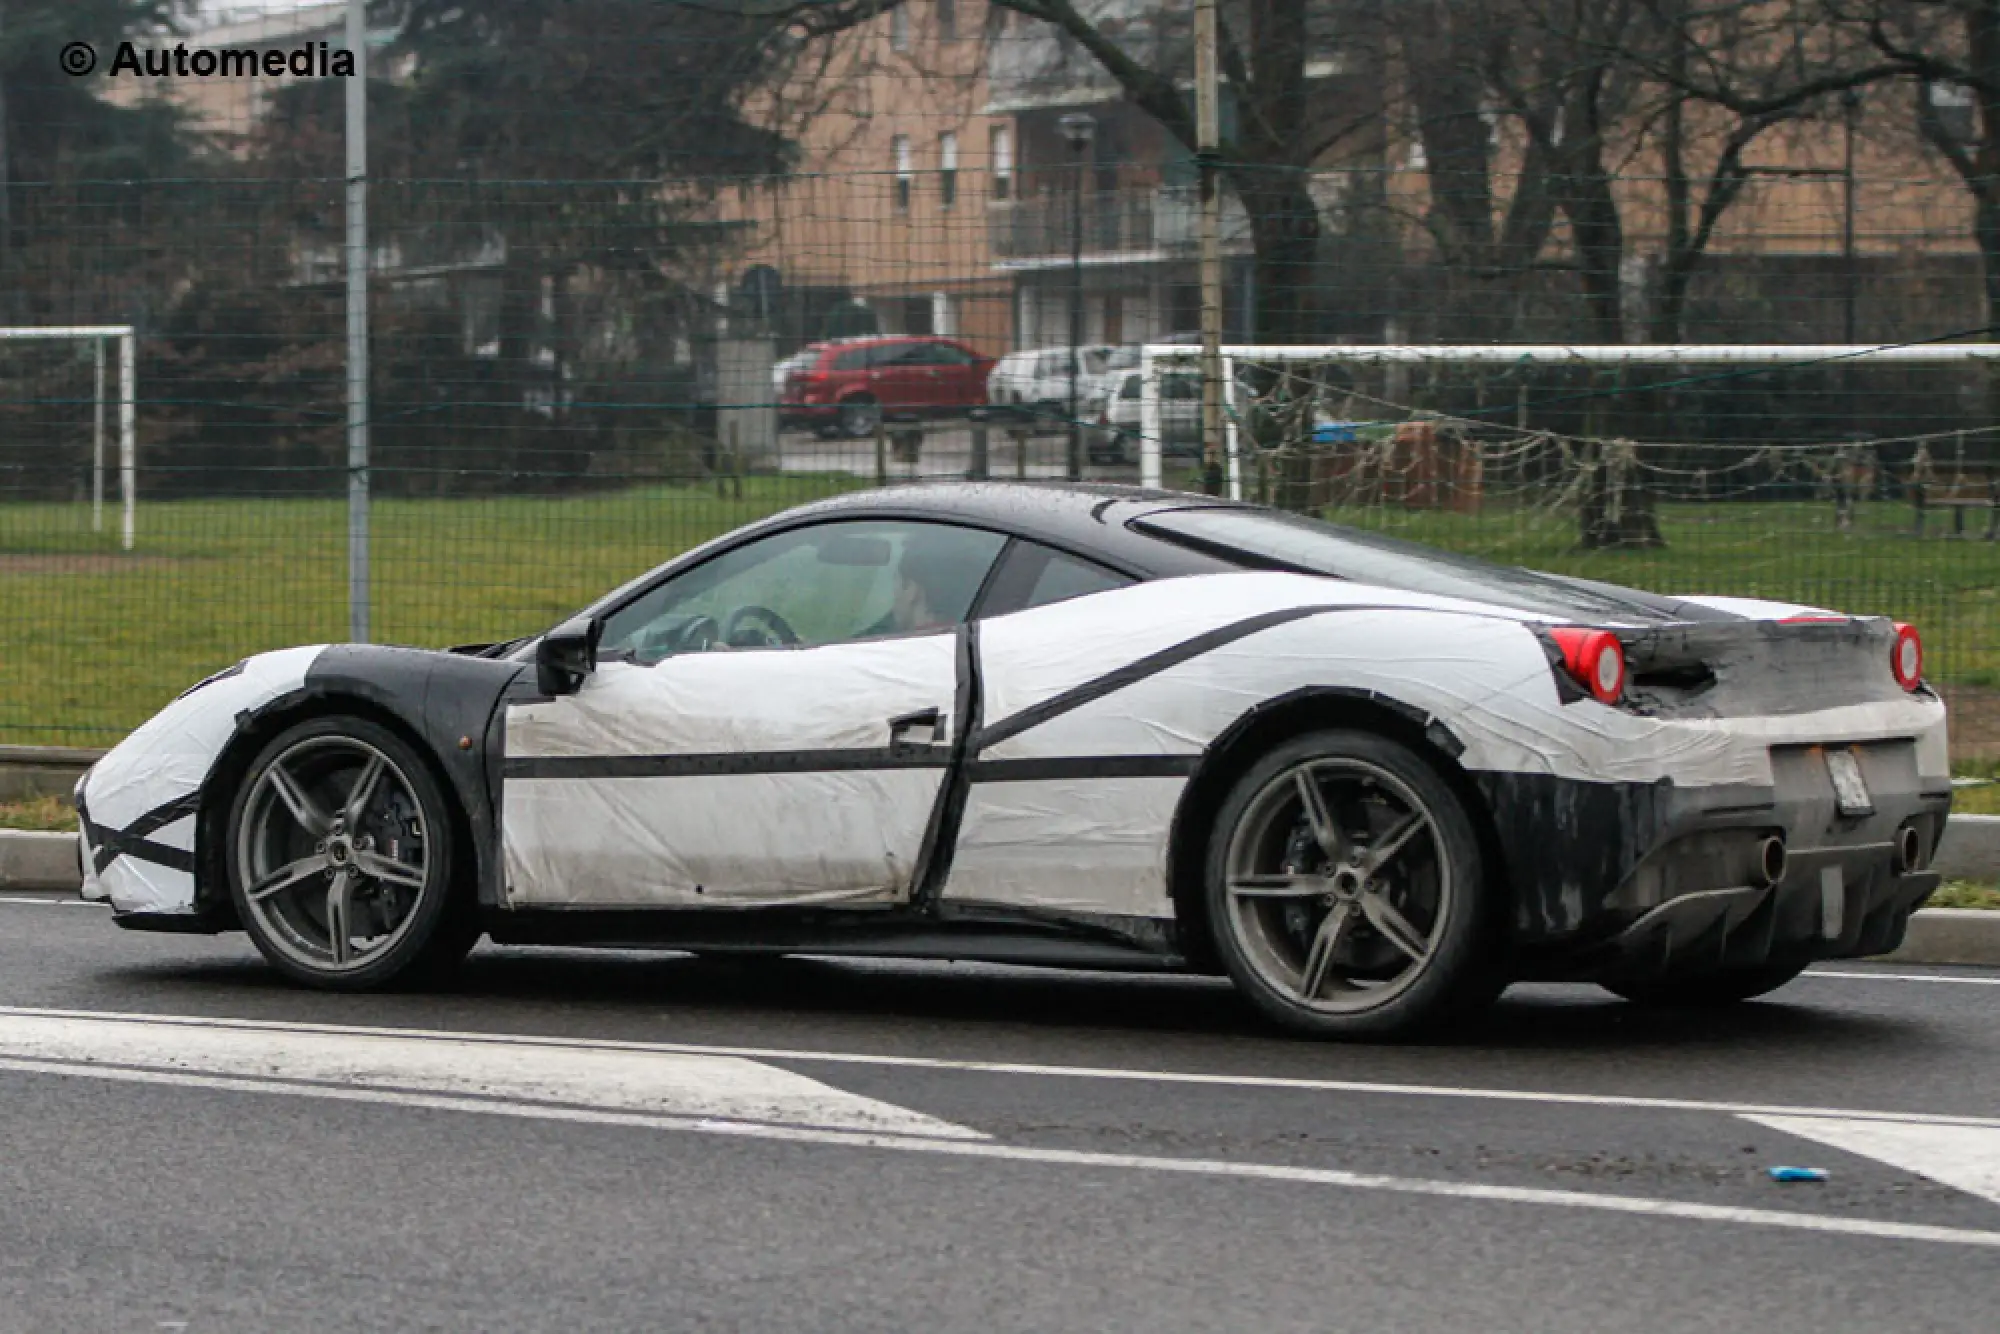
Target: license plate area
column 1850, row 789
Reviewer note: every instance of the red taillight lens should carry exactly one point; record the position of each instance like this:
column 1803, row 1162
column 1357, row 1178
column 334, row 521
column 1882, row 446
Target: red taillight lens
column 1906, row 657
column 1596, row 659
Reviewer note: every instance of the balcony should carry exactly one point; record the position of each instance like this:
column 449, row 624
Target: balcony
column 1130, row 226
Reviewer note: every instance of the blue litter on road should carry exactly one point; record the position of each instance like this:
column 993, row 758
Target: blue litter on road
column 1798, row 1174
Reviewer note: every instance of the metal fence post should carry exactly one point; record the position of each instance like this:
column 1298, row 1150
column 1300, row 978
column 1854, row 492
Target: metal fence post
column 357, row 324
column 978, row 471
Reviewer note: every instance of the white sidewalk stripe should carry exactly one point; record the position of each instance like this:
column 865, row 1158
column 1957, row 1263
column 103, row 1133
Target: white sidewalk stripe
column 1532, row 1096
column 1903, row 977
column 1878, row 1229
column 1965, row 1158
column 661, row 1083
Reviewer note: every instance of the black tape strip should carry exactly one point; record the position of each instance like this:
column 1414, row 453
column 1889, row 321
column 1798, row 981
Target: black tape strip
column 162, row 816
column 727, row 764
column 1083, row 766
column 1150, row 665
column 940, row 844
column 112, row 844
column 108, row 845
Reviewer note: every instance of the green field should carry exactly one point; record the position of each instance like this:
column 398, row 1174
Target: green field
column 94, row 639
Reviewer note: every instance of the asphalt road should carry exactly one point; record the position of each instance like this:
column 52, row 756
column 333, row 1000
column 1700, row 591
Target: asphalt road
column 581, row 1141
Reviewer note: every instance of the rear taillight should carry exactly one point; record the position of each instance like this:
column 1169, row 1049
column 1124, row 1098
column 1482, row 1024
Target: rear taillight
column 1906, row 657
column 1595, row 659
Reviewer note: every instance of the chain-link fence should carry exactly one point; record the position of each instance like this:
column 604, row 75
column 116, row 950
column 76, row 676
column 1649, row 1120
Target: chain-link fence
column 639, row 273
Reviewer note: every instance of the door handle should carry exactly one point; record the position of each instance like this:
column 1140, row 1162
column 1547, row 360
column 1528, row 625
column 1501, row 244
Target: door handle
column 903, row 730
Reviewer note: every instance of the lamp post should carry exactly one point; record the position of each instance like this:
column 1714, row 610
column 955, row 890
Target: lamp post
column 1077, row 128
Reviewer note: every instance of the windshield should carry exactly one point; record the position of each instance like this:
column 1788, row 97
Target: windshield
column 1267, row 538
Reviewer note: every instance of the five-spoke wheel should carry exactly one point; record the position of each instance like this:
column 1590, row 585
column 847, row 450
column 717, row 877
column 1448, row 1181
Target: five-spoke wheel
column 340, row 846
column 1345, row 888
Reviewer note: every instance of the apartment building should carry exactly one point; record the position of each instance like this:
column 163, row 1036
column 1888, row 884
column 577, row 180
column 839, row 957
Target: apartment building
column 881, row 226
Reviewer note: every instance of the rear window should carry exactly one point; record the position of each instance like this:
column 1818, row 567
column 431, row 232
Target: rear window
column 1266, row 539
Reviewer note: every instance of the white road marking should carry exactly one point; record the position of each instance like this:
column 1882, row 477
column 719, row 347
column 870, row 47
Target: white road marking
column 1965, row 1158
column 1643, row 1206
column 676, row 1084
column 1041, row 1071
column 1905, row 977
column 60, row 903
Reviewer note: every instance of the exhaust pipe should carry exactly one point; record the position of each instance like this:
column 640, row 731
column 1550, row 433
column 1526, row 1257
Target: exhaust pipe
column 1771, row 859
column 1909, row 850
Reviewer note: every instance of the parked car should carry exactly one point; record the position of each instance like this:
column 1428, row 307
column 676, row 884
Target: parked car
column 782, row 370
column 1034, row 383
column 849, row 386
column 1113, row 413
column 1370, row 782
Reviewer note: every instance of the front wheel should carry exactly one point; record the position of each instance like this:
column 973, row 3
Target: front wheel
column 1724, row 986
column 340, row 847
column 1346, row 891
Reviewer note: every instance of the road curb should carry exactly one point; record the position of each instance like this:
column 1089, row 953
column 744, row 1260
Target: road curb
column 1970, row 848
column 1951, row 935
column 34, row 861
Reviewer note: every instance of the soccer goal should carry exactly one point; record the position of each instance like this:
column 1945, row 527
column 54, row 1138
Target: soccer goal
column 52, row 387
column 1329, row 398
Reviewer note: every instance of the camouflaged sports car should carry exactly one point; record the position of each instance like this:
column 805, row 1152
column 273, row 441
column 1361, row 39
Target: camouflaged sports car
column 1067, row 725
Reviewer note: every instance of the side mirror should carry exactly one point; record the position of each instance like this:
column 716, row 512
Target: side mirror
column 566, row 655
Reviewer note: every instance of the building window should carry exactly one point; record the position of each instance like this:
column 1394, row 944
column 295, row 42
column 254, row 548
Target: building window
column 947, row 20
column 1001, row 144
column 899, row 27
column 948, row 169
column 901, row 146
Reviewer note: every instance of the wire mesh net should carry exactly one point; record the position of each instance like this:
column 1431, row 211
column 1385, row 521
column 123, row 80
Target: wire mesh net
column 640, row 273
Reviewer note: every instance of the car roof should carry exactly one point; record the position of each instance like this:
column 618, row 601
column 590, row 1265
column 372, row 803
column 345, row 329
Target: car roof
column 1088, row 517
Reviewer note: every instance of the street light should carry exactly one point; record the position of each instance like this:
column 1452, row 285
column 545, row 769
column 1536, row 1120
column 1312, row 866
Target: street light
column 1078, row 129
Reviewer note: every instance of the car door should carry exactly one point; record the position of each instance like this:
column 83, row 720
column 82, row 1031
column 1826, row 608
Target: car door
column 772, row 727
column 900, row 377
column 961, row 376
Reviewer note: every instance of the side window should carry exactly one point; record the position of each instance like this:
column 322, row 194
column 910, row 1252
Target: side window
column 825, row 584
column 1035, row 576
column 1064, row 577
column 949, row 354
column 854, row 360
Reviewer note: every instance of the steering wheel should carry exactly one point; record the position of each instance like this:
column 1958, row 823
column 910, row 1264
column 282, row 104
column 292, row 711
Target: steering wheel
column 700, row 633
column 773, row 629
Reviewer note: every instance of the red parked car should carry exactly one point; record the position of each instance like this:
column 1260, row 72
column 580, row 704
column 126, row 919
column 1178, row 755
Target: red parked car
column 848, row 386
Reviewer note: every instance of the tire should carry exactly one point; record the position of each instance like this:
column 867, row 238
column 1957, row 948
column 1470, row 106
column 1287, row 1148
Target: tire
column 1724, row 986
column 859, row 416
column 295, row 828
column 1414, row 946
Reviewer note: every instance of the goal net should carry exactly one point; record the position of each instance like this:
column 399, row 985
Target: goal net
column 68, row 420
column 1864, row 477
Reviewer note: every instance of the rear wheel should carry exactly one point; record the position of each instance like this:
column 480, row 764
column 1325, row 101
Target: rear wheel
column 340, row 859
column 1725, row 986
column 1346, row 891
column 859, row 416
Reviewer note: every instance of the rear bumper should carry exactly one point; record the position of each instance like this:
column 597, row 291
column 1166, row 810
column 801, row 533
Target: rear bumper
column 1679, row 884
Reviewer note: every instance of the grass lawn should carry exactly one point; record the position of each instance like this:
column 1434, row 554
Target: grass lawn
column 93, row 639
column 1963, row 894
column 48, row 814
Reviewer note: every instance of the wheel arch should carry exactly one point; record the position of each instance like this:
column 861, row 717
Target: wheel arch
column 257, row 729
column 447, row 709
column 1314, row 708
